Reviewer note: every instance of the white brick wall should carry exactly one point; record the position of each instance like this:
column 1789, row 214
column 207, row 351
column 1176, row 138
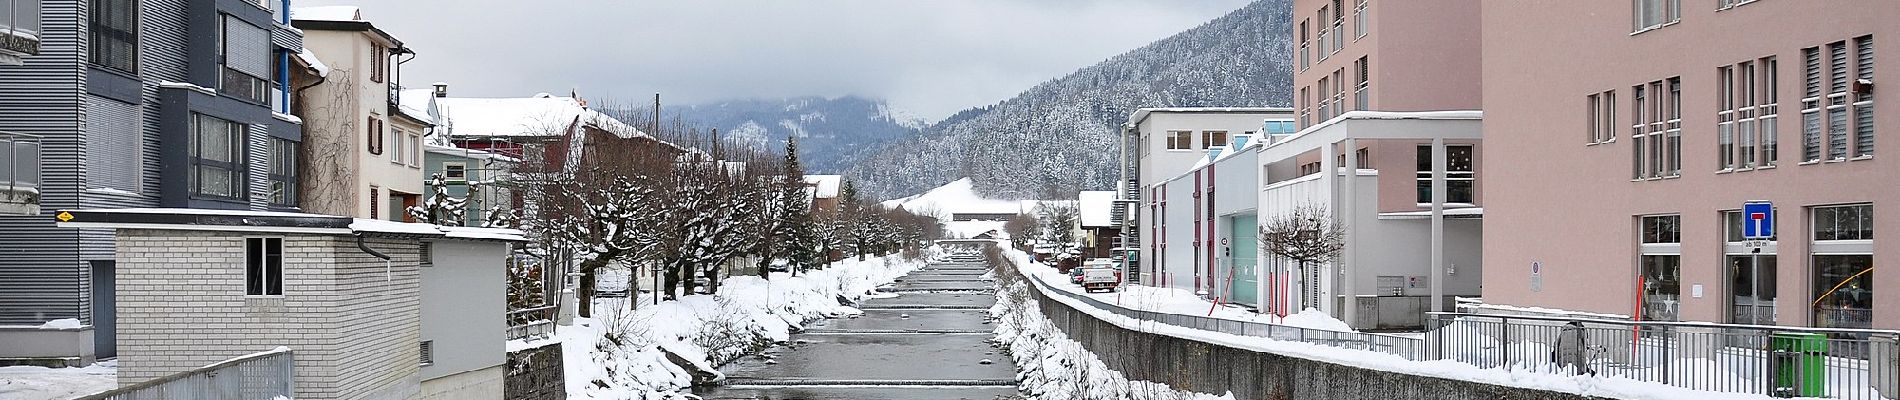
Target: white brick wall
column 354, row 327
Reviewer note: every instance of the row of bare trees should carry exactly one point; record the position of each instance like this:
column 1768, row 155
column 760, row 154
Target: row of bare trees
column 687, row 207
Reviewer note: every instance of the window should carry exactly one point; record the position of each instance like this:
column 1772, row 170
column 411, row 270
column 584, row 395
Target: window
column 401, row 155
column 455, row 172
column 1811, row 104
column 244, row 51
column 1279, row 127
column 1843, row 265
column 413, row 147
column 283, row 172
column 1339, row 25
column 1359, row 19
column 1309, row 168
column 264, row 266
column 1209, row 139
column 1323, row 33
column 1826, row 114
column 1600, row 113
column 375, row 135
column 1325, row 99
column 217, row 157
column 1459, row 174
column 114, row 35
column 1727, row 4
column 1657, row 150
column 375, row 201
column 428, row 352
column 1306, row 54
column 1660, row 268
column 1745, row 115
column 1180, row 140
column 1362, row 96
column 378, row 56
column 19, row 27
column 1751, row 276
column 1863, row 96
column 1306, row 106
column 1650, row 14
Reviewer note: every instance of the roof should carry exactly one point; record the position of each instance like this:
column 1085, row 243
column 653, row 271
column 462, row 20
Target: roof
column 824, row 186
column 328, row 13
column 267, row 221
column 1142, row 114
column 418, row 104
column 1096, row 208
column 310, row 58
column 339, row 18
column 467, row 153
column 540, row 115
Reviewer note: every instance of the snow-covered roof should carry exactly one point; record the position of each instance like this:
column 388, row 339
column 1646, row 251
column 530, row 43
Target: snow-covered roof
column 310, row 58
column 267, row 221
column 1097, row 208
column 956, row 197
column 328, row 13
column 402, row 228
column 418, row 104
column 1142, row 114
column 824, row 186
column 541, row 115
column 464, row 232
column 469, row 153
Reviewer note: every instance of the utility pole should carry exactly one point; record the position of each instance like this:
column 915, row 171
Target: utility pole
column 656, row 116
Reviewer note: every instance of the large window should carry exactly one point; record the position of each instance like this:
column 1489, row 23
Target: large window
column 1209, row 139
column 1751, row 275
column 264, row 266
column 19, row 28
column 1180, row 140
column 1837, row 109
column 1359, row 19
column 1746, row 108
column 1656, row 129
column 1362, row 91
column 1600, row 115
column 1460, row 176
column 1660, row 268
column 217, row 157
column 245, row 52
column 114, row 27
column 1306, row 50
column 283, row 172
column 1843, row 264
column 1649, row 14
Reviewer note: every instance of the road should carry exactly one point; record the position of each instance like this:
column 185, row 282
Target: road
column 929, row 342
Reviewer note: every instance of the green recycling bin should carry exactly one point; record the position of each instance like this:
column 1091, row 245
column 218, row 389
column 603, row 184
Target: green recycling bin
column 1799, row 361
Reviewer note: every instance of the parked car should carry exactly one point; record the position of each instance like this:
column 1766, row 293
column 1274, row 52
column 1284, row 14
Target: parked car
column 1075, row 275
column 1100, row 278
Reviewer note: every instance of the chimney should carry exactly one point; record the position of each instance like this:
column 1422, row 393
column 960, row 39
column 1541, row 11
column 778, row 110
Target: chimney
column 441, row 89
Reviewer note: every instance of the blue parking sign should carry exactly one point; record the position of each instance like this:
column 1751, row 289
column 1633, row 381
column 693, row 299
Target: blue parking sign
column 1758, row 220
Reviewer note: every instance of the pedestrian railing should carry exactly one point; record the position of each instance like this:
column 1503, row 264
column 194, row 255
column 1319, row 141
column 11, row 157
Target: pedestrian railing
column 262, row 376
column 1410, row 348
column 1777, row 361
column 531, row 322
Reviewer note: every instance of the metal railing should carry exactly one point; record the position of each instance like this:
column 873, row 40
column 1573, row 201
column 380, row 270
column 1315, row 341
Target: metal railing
column 531, row 322
column 1778, row 361
column 1410, row 348
column 261, row 376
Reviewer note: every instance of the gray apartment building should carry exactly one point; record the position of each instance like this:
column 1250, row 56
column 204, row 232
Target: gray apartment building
column 128, row 103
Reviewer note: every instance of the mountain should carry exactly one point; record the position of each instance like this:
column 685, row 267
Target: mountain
column 1061, row 135
column 831, row 132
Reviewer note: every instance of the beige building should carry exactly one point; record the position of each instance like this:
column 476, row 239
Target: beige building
column 365, row 156
column 1626, row 137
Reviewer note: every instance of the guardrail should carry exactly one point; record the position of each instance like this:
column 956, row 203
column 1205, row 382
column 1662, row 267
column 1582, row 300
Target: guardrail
column 266, row 375
column 531, row 322
column 1778, row 361
column 1410, row 348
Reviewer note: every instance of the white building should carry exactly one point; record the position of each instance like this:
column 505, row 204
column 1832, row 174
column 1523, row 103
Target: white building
column 1161, row 143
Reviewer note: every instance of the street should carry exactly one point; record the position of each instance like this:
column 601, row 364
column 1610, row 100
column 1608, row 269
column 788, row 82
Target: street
column 929, row 342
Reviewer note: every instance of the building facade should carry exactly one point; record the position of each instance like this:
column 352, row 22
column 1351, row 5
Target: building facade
column 1373, row 55
column 1679, row 107
column 173, row 103
column 1160, row 143
column 365, row 154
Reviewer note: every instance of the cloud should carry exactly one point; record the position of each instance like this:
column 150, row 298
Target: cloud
column 932, row 57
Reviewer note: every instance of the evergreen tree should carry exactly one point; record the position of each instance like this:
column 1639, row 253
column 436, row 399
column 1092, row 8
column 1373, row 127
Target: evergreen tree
column 799, row 239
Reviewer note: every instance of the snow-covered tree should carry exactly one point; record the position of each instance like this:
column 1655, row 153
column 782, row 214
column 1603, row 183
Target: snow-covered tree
column 440, row 208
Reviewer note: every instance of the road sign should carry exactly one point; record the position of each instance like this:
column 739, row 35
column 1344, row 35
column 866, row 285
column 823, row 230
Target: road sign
column 1758, row 220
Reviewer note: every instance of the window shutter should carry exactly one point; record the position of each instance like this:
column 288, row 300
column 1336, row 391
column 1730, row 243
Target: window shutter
column 247, row 48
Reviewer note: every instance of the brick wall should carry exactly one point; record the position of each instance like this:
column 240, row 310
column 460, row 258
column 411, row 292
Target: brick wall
column 353, row 326
column 535, row 374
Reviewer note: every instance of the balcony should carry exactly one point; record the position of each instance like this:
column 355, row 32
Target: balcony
column 19, row 30
column 19, row 174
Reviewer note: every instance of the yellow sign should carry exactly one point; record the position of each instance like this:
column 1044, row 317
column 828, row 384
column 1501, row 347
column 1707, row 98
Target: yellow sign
column 64, row 216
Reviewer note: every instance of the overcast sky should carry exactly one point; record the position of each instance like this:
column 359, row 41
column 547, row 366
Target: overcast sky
column 932, row 57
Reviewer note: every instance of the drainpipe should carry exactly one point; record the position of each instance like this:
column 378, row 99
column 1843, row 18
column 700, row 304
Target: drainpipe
column 388, row 275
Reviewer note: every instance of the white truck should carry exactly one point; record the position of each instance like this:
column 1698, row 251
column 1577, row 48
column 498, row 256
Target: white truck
column 1098, row 277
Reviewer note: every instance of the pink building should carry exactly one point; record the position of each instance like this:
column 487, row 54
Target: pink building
column 1624, row 138
column 1407, row 55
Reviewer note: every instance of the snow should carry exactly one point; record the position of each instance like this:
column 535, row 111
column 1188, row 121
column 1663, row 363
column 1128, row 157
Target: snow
column 465, row 232
column 958, row 196
column 1097, row 208
column 970, row 229
column 323, row 70
column 187, row 86
column 41, row 383
column 111, row 191
column 286, row 117
column 417, row 103
column 381, row 226
column 200, row 211
column 327, row 13
column 1315, row 319
column 541, row 115
column 620, row 354
column 1449, row 212
column 62, row 323
column 1479, row 304
column 1052, row 366
column 826, row 186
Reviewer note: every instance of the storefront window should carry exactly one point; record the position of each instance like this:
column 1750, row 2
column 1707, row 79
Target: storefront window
column 1843, row 265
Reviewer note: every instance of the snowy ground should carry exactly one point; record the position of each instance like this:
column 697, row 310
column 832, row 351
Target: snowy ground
column 1178, row 301
column 40, row 383
column 623, row 354
column 1054, row 367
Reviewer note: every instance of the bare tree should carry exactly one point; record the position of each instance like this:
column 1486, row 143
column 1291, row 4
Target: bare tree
column 1308, row 236
column 1021, row 229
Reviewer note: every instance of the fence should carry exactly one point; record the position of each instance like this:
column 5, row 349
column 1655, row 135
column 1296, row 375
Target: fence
column 1410, row 348
column 261, row 376
column 1778, row 361
column 531, row 322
